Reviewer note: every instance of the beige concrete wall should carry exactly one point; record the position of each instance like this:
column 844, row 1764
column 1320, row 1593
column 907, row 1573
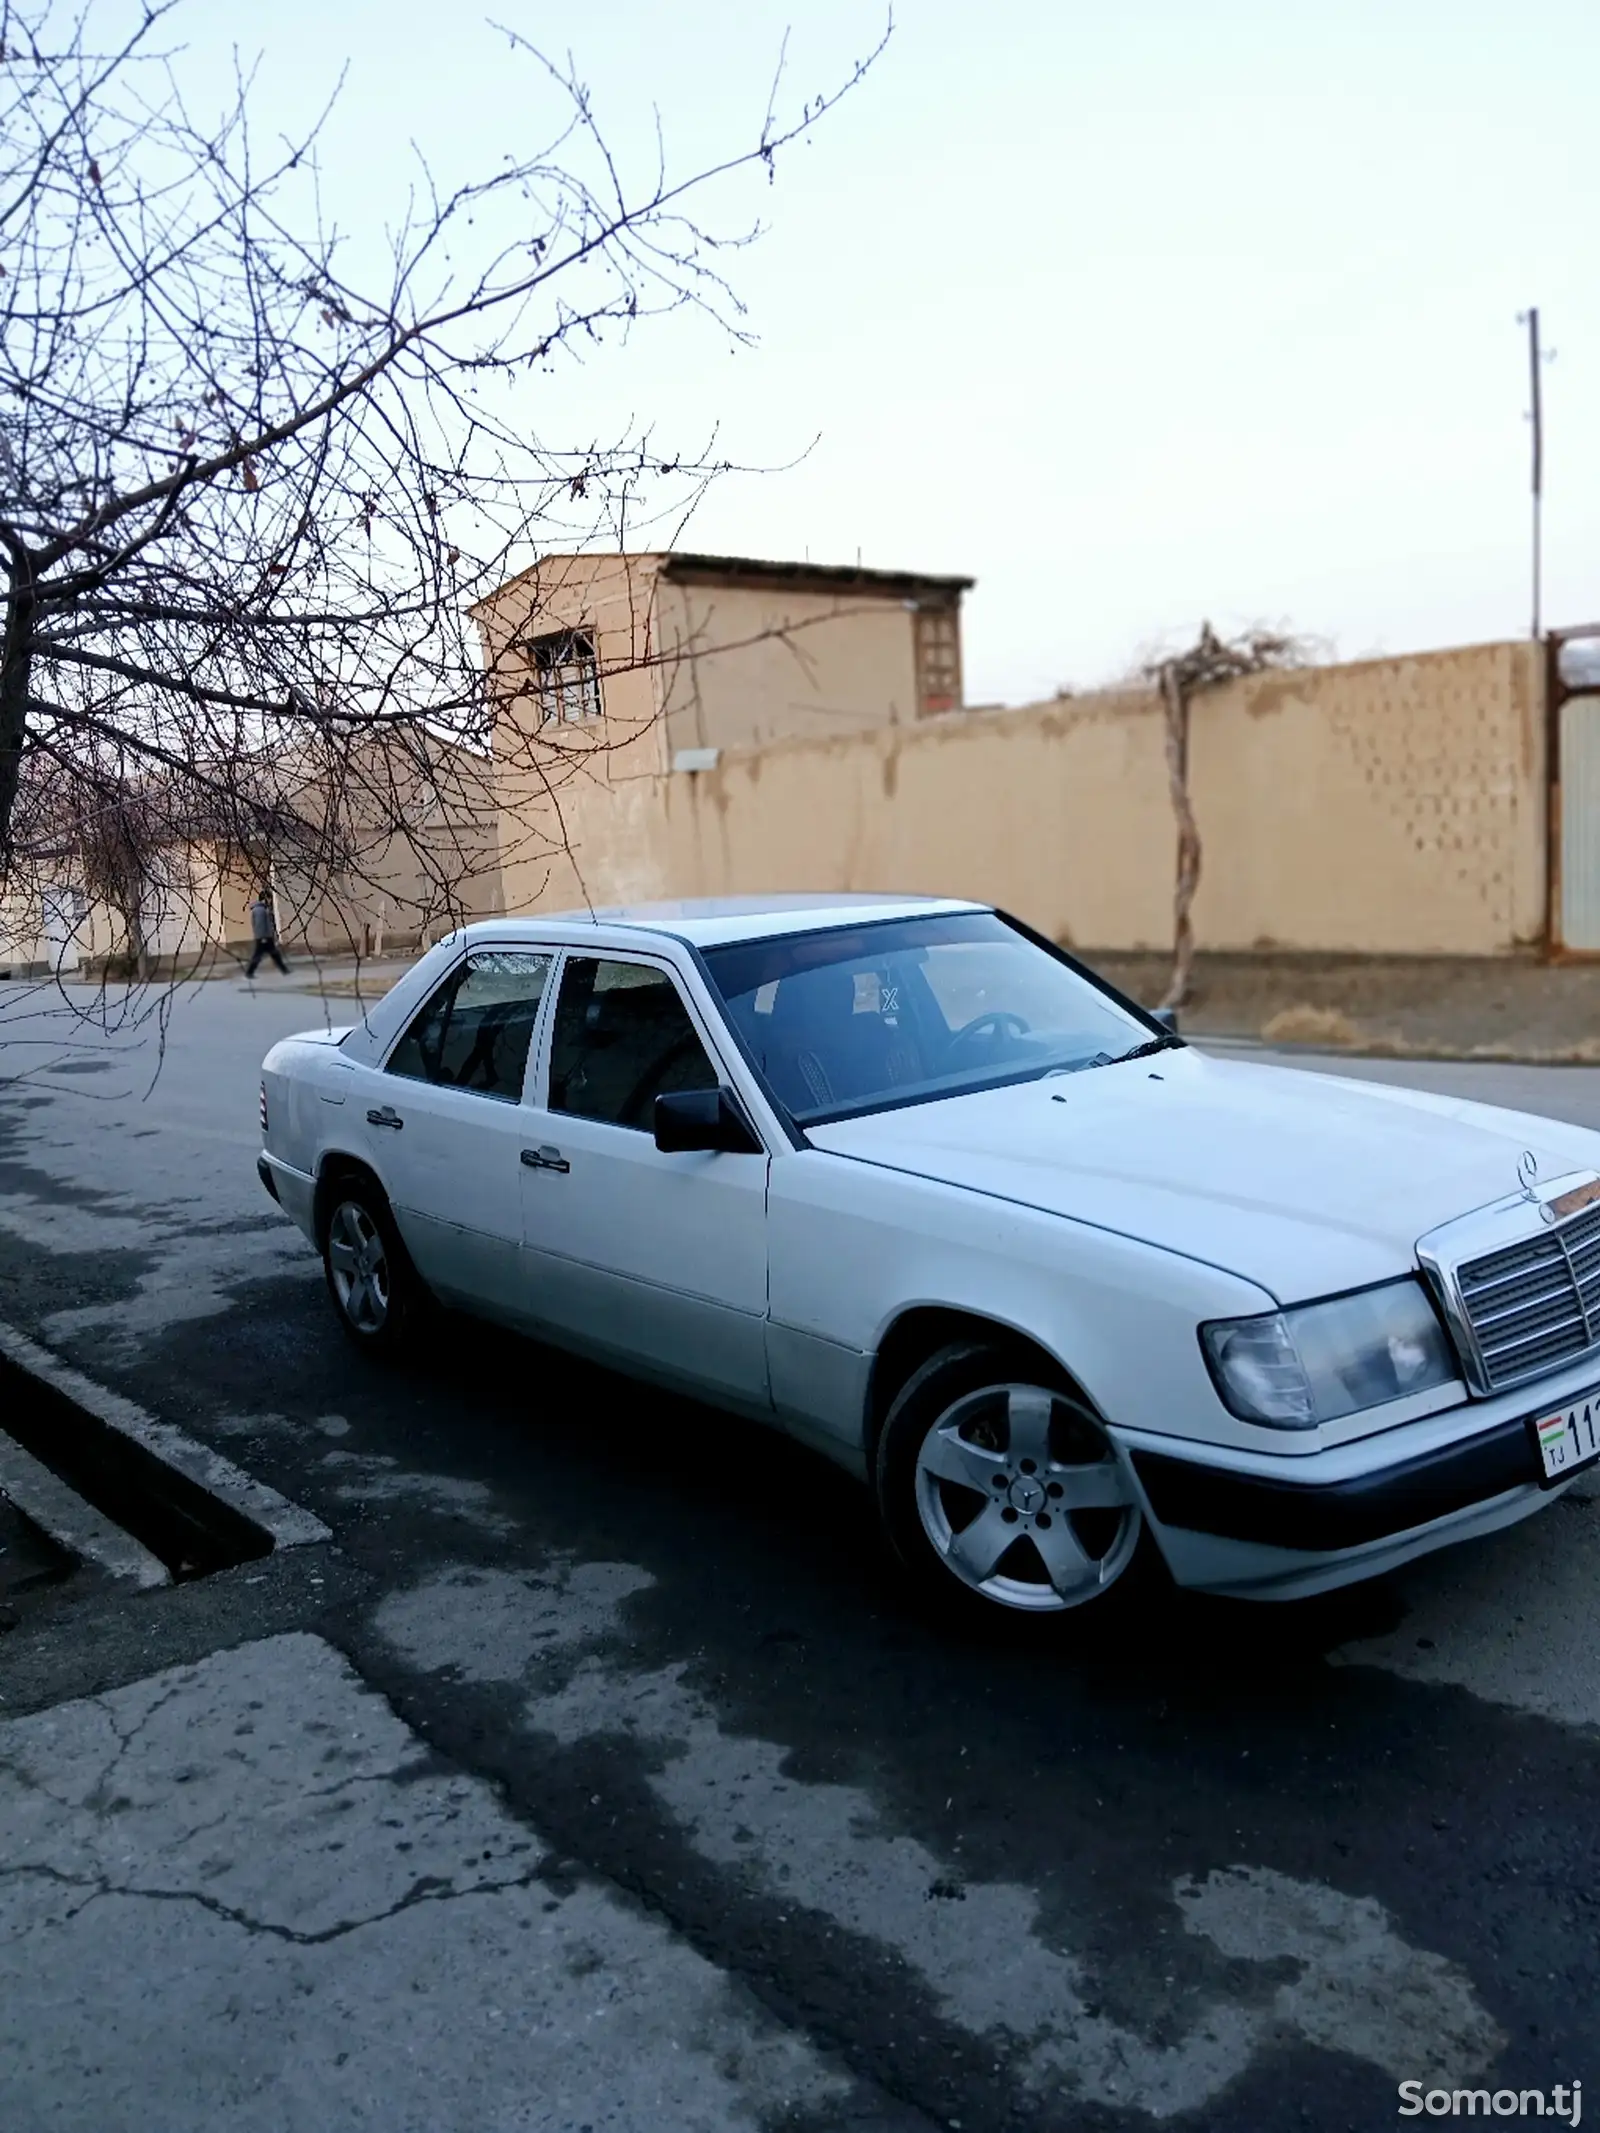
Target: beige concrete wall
column 1010, row 807
column 1394, row 805
column 697, row 662
column 613, row 596
column 23, row 946
column 176, row 920
column 421, row 820
column 684, row 665
column 181, row 915
column 1390, row 806
column 746, row 665
column 26, row 950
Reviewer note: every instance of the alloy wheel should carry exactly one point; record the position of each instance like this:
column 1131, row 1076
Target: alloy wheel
column 1022, row 1496
column 359, row 1265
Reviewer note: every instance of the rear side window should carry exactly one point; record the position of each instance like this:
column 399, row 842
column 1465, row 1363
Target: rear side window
column 475, row 1031
column 622, row 1038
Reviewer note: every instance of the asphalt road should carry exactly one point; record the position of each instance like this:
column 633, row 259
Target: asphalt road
column 1245, row 1868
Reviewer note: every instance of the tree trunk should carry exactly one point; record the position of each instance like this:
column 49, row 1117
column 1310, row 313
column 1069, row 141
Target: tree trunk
column 16, row 667
column 127, row 900
column 1175, row 698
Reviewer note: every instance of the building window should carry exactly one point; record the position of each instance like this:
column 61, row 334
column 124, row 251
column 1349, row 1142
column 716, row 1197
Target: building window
column 938, row 650
column 566, row 676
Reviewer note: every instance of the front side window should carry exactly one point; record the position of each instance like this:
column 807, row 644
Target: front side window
column 622, row 1038
column 866, row 1017
column 475, row 1031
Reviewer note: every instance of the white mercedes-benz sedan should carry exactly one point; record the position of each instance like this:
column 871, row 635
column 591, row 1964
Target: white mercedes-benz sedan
column 902, row 1178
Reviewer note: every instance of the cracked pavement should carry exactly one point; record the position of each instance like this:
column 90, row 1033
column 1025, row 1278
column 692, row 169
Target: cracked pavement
column 601, row 1774
column 387, row 1948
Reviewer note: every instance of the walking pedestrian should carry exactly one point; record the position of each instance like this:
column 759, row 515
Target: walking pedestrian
column 264, row 932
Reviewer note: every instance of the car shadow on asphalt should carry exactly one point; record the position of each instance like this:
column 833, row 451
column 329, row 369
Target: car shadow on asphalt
column 721, row 1512
column 766, row 1658
column 799, row 1508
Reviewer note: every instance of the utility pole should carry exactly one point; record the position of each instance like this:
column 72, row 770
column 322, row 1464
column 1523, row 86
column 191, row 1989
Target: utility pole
column 1536, row 416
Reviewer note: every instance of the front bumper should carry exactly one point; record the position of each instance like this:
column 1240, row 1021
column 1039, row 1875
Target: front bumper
column 1283, row 1527
column 1331, row 1515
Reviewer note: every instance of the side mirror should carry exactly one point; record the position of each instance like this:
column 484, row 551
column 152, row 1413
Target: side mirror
column 1165, row 1018
column 703, row 1121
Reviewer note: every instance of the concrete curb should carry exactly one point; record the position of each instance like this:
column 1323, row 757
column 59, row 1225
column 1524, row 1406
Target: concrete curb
column 1396, row 1053
column 288, row 1524
column 73, row 1524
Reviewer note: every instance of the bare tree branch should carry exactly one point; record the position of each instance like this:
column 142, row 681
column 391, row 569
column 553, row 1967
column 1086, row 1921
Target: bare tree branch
column 253, row 481
column 1209, row 662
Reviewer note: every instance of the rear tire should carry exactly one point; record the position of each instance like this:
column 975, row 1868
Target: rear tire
column 1005, row 1499
column 378, row 1296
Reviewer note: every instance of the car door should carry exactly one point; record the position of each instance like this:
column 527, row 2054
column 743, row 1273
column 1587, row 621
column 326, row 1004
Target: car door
column 654, row 1261
column 445, row 1125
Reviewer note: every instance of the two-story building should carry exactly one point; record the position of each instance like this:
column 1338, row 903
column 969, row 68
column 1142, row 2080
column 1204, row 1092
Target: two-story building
column 616, row 674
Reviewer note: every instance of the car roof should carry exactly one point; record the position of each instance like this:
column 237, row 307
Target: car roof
column 716, row 921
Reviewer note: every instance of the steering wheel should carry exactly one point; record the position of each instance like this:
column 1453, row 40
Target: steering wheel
column 999, row 1022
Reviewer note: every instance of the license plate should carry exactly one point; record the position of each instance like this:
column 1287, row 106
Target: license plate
column 1569, row 1438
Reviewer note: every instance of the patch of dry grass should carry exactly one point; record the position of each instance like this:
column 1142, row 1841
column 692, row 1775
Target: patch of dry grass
column 1329, row 1029
column 1304, row 1024
column 368, row 989
column 1586, row 1052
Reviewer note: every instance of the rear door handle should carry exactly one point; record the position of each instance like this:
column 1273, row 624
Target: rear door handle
column 544, row 1159
column 388, row 1116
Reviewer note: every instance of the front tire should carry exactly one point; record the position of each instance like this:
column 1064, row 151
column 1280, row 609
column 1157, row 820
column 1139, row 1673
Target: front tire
column 376, row 1292
column 1003, row 1495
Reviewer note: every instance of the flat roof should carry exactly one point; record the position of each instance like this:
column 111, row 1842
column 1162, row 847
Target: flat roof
column 683, row 568
column 841, row 577
column 713, row 921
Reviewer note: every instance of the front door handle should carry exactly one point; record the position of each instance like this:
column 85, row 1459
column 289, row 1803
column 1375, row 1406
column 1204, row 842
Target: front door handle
column 388, row 1116
column 545, row 1158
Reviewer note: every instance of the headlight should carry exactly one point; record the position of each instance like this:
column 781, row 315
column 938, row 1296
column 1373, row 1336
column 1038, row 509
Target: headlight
column 1294, row 1369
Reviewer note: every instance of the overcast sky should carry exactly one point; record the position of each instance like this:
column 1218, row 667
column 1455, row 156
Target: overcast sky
column 1137, row 312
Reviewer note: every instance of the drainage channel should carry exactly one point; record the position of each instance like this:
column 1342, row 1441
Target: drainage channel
column 192, row 1532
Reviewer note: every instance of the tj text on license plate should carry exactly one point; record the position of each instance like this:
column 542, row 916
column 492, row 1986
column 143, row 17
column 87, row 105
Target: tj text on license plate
column 1569, row 1438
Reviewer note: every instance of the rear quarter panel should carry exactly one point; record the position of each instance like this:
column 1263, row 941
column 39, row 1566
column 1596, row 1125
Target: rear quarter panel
column 313, row 1108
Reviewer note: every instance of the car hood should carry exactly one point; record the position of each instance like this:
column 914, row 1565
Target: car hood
column 1303, row 1183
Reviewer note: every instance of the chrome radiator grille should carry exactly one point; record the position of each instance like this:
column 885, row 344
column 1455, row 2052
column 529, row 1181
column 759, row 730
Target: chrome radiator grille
column 1536, row 1304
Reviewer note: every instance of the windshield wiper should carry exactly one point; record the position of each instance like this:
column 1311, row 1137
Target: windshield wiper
column 1166, row 1042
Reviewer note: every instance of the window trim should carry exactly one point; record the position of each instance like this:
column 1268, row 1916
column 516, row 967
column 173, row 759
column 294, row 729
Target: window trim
column 553, row 954
column 717, row 1010
column 708, row 1027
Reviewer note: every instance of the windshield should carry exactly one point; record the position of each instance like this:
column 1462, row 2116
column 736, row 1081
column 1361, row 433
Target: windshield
column 867, row 1017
